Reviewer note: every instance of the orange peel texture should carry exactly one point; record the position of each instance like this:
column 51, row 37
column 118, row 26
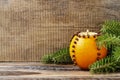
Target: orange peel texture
column 84, row 51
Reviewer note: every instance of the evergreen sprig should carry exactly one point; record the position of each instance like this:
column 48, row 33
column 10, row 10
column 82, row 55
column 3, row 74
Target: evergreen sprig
column 108, row 40
column 59, row 57
column 111, row 27
column 111, row 39
column 105, row 65
column 116, row 54
column 47, row 59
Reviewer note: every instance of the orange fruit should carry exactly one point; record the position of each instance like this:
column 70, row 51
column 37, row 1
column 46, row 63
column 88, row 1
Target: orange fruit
column 84, row 51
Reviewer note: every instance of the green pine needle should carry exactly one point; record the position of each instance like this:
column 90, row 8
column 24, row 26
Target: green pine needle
column 111, row 39
column 111, row 27
column 108, row 40
column 117, row 54
column 47, row 59
column 59, row 57
column 105, row 65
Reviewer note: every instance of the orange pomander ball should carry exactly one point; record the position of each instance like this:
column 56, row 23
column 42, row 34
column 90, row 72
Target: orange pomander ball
column 84, row 51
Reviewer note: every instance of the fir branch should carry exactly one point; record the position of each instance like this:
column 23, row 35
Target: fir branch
column 116, row 54
column 108, row 40
column 111, row 27
column 105, row 65
column 59, row 57
column 63, row 57
column 111, row 39
column 47, row 59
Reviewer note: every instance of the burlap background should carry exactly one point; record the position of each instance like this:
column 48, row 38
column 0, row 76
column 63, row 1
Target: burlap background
column 32, row 28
